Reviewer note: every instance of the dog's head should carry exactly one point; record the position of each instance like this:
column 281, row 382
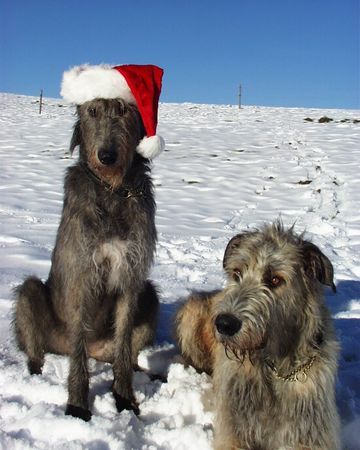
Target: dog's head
column 108, row 132
column 273, row 293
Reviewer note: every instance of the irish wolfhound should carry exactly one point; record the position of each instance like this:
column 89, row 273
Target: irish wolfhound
column 97, row 301
column 269, row 342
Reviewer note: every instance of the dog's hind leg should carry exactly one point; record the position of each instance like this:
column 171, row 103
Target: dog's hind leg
column 33, row 321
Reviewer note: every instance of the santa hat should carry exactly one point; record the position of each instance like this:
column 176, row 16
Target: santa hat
column 137, row 84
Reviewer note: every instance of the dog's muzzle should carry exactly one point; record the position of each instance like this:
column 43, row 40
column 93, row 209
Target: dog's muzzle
column 227, row 324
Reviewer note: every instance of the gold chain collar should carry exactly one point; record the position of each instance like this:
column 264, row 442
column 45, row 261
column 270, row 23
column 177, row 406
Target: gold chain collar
column 122, row 191
column 299, row 374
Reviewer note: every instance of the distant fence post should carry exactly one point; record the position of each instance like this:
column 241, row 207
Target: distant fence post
column 41, row 99
column 240, row 89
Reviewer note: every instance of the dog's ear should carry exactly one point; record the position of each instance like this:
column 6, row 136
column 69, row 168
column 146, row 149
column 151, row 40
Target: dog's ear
column 317, row 265
column 233, row 244
column 76, row 137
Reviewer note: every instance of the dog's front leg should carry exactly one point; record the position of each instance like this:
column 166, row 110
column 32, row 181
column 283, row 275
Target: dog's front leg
column 78, row 381
column 122, row 365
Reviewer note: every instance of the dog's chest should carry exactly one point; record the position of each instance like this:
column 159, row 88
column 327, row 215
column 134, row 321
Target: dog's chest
column 111, row 259
column 257, row 409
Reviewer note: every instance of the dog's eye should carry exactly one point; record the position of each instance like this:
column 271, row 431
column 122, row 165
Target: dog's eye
column 276, row 281
column 92, row 112
column 236, row 274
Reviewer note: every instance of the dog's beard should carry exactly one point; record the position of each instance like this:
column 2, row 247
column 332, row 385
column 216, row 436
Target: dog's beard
column 236, row 352
column 111, row 177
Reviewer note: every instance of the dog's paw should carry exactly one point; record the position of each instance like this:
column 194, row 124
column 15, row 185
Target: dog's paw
column 35, row 367
column 125, row 403
column 77, row 411
column 157, row 377
column 153, row 376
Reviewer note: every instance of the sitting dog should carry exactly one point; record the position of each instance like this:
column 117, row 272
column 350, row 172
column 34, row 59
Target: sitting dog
column 97, row 301
column 267, row 338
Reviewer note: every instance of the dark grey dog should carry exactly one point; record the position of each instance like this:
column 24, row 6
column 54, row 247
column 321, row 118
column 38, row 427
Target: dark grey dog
column 97, row 301
column 268, row 339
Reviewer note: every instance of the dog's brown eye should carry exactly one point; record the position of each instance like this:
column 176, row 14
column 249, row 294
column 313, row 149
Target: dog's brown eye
column 92, row 112
column 276, row 281
column 236, row 274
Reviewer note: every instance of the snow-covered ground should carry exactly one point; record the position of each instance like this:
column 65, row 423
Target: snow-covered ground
column 224, row 170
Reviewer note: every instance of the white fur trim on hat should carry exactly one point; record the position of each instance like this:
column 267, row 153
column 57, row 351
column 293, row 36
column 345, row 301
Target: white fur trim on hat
column 84, row 83
column 150, row 147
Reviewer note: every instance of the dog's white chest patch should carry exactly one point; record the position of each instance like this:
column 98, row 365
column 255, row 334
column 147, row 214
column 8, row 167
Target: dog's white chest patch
column 113, row 253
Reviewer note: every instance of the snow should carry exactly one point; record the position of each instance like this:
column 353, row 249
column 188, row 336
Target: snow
column 224, row 170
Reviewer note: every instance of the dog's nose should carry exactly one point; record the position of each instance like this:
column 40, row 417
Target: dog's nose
column 107, row 157
column 227, row 324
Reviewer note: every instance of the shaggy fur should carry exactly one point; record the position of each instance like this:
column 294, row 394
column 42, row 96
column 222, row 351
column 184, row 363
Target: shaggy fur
column 269, row 342
column 97, row 301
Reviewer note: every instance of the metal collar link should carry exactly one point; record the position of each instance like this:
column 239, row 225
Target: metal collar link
column 299, row 374
column 127, row 192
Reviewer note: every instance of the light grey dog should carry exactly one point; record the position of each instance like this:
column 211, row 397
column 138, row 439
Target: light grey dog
column 269, row 342
column 97, row 301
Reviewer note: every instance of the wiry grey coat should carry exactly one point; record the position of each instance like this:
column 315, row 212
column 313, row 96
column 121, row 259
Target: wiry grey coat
column 97, row 301
column 268, row 339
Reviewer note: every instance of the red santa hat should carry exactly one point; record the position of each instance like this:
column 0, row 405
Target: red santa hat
column 137, row 84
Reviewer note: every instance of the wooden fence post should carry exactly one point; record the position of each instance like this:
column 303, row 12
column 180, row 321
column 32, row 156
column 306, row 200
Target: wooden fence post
column 41, row 99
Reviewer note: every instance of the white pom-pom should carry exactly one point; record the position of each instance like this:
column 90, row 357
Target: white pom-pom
column 150, row 147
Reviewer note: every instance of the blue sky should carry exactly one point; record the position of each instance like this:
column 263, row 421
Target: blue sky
column 283, row 52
